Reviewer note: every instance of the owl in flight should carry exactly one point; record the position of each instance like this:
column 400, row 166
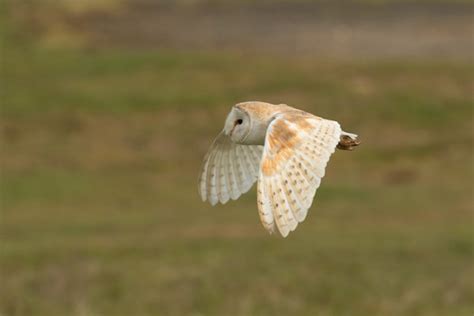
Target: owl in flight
column 285, row 149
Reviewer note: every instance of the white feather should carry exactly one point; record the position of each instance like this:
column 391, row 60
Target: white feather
column 289, row 167
column 229, row 170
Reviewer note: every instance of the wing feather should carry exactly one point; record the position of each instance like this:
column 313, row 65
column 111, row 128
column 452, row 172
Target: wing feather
column 222, row 180
column 229, row 170
column 293, row 196
column 239, row 180
column 251, row 165
column 211, row 181
column 283, row 208
column 231, row 175
column 245, row 169
column 264, row 203
column 204, row 188
column 297, row 149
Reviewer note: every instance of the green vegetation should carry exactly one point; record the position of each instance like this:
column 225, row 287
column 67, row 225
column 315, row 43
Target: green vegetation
column 100, row 215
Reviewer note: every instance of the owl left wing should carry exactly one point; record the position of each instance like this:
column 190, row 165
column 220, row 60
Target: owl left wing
column 297, row 148
column 229, row 170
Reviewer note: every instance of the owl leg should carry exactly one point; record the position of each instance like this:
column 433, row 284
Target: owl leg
column 348, row 141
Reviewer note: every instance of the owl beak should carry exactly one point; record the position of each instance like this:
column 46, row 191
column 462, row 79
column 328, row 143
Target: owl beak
column 228, row 131
column 231, row 122
column 232, row 130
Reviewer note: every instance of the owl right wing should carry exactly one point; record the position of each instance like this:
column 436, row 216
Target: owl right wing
column 229, row 170
column 297, row 148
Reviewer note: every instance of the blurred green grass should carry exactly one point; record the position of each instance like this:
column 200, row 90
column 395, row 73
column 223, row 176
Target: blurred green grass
column 100, row 214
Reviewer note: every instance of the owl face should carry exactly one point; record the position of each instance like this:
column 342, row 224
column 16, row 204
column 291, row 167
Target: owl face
column 247, row 122
column 237, row 125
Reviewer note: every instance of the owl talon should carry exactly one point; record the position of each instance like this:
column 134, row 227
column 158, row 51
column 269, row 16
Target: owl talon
column 346, row 142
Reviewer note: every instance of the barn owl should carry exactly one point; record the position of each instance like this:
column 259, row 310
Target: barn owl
column 282, row 148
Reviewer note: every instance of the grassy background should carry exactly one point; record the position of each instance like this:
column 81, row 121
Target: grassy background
column 100, row 152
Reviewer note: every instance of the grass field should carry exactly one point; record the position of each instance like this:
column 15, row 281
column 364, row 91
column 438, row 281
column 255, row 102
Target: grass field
column 100, row 155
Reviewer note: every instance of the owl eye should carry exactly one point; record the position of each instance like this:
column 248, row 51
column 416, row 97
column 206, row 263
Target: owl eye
column 238, row 122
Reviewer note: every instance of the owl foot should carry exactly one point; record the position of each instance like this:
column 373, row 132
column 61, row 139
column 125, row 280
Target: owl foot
column 348, row 142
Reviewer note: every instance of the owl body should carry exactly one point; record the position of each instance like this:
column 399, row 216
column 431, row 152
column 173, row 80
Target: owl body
column 285, row 149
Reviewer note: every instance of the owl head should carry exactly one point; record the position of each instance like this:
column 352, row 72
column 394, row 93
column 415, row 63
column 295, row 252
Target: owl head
column 238, row 125
column 247, row 122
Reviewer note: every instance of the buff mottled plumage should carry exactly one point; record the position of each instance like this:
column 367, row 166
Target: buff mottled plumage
column 284, row 148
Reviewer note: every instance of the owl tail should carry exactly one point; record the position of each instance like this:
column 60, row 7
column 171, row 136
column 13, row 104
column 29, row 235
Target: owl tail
column 348, row 141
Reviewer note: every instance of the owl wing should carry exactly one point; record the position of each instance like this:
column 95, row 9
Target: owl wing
column 297, row 148
column 229, row 170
